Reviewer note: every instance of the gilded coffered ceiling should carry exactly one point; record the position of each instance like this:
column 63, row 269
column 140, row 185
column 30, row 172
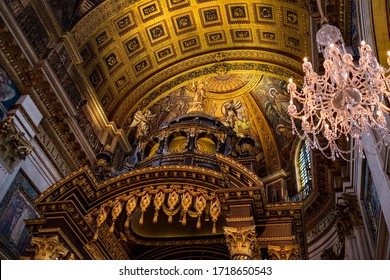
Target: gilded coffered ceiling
column 144, row 55
column 132, row 49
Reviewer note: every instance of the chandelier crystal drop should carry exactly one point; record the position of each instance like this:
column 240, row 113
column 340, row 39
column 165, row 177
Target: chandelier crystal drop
column 348, row 100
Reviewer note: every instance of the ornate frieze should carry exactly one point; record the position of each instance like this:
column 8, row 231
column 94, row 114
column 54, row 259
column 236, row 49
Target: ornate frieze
column 52, row 149
column 169, row 199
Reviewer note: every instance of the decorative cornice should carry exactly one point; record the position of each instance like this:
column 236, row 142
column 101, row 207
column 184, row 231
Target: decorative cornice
column 277, row 238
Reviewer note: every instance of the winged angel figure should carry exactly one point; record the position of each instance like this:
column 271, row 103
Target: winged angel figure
column 142, row 122
column 232, row 112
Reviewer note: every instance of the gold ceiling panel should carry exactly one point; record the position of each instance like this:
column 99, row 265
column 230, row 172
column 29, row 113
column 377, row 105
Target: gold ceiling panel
column 124, row 44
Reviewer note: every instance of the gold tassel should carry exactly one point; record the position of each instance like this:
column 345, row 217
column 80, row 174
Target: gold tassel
column 198, row 224
column 184, row 220
column 214, row 228
column 170, row 219
column 95, row 237
column 155, row 218
column 127, row 223
column 112, row 226
column 141, row 220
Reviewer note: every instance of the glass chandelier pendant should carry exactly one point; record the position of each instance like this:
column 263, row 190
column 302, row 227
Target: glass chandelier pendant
column 348, row 100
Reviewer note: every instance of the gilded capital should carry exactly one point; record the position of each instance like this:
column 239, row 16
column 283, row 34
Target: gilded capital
column 283, row 252
column 241, row 242
column 50, row 248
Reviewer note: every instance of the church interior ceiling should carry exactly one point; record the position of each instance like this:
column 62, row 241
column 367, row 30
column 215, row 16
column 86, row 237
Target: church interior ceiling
column 149, row 55
column 134, row 57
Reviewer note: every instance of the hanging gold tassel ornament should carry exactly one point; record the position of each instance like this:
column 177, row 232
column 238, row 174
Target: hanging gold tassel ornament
column 141, row 220
column 158, row 202
column 186, row 202
column 215, row 211
column 130, row 207
column 200, row 205
column 145, row 202
column 184, row 219
column 101, row 217
column 198, row 224
column 116, row 210
column 173, row 200
column 214, row 231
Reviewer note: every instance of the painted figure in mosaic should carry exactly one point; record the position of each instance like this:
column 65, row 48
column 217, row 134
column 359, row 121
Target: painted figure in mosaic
column 142, row 122
column 232, row 112
column 6, row 91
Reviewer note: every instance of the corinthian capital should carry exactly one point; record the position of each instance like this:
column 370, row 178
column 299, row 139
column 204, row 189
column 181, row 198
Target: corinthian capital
column 50, row 248
column 241, row 242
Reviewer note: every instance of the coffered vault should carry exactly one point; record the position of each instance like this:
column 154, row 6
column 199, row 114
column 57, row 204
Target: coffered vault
column 96, row 70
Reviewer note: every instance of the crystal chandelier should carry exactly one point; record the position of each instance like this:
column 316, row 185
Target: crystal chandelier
column 348, row 100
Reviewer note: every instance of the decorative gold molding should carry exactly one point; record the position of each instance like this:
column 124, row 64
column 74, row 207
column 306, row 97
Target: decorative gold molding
column 240, row 219
column 267, row 139
column 99, row 16
column 34, row 82
column 276, row 238
column 144, row 197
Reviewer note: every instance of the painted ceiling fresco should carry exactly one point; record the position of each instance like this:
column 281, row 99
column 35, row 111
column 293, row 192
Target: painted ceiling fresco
column 254, row 106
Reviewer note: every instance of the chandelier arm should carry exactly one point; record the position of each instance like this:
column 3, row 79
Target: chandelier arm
column 384, row 107
column 323, row 18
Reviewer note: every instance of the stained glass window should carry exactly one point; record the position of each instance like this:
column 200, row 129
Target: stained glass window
column 304, row 166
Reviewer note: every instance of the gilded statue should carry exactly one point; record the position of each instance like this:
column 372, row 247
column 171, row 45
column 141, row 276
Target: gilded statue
column 197, row 104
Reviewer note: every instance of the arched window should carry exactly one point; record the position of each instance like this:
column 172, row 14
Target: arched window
column 304, row 169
